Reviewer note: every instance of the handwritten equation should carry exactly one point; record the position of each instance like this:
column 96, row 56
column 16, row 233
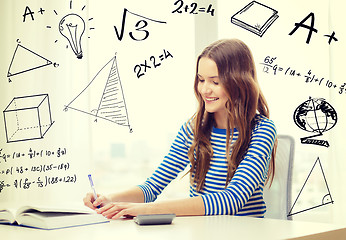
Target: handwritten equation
column 192, row 8
column 40, row 182
column 271, row 67
column 4, row 157
column 34, row 168
column 154, row 62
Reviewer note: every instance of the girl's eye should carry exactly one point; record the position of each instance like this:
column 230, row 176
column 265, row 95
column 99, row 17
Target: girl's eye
column 201, row 80
column 216, row 83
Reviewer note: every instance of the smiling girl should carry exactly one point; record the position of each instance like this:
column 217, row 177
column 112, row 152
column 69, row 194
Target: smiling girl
column 229, row 145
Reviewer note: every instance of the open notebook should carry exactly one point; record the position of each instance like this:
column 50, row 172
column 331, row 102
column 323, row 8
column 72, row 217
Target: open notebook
column 50, row 218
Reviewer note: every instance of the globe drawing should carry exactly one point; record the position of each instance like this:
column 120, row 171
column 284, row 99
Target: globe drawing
column 315, row 115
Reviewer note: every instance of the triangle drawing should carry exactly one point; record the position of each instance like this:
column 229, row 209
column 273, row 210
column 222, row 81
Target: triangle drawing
column 314, row 192
column 103, row 97
column 25, row 60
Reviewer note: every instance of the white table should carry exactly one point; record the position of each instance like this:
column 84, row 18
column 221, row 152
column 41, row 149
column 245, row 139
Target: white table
column 205, row 227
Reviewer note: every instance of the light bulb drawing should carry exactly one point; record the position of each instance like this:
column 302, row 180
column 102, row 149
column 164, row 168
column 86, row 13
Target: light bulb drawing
column 72, row 27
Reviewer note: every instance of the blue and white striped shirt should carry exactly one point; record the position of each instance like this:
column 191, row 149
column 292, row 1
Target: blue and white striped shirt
column 244, row 194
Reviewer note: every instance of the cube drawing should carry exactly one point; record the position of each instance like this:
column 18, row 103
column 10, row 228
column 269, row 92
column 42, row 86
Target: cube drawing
column 27, row 118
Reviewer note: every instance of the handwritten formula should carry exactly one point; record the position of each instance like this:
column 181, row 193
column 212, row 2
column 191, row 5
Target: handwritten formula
column 154, row 62
column 40, row 182
column 271, row 66
column 32, row 153
column 193, row 8
column 34, row 168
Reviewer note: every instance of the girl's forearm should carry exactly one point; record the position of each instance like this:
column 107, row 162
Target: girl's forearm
column 134, row 194
column 193, row 206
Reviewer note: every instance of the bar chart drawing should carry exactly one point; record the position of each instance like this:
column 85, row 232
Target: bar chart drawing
column 103, row 97
column 321, row 198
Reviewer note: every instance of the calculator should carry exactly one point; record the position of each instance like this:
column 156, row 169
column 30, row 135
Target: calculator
column 154, row 219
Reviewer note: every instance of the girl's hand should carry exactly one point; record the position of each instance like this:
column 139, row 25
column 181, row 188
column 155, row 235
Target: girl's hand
column 90, row 201
column 116, row 210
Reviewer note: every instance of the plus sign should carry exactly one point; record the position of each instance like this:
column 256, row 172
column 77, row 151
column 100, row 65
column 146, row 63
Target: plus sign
column 331, row 37
column 41, row 11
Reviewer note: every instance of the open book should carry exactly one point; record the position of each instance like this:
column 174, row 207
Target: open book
column 50, row 218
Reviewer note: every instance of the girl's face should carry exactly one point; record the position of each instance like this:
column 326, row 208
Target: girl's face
column 210, row 88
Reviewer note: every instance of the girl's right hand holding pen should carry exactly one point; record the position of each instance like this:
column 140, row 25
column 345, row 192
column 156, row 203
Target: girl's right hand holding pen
column 90, row 201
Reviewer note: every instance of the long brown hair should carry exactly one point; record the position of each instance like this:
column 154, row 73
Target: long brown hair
column 237, row 75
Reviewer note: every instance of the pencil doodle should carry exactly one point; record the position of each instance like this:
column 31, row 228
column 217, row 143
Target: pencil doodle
column 25, row 60
column 255, row 17
column 106, row 96
column 316, row 175
column 27, row 118
column 317, row 116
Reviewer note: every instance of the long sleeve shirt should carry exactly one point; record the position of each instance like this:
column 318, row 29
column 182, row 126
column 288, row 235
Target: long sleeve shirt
column 244, row 193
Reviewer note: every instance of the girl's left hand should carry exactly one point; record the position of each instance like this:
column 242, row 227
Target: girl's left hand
column 116, row 210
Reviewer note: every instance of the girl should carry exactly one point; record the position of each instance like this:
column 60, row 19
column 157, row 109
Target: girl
column 229, row 145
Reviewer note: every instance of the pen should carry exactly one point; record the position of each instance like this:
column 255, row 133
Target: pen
column 93, row 188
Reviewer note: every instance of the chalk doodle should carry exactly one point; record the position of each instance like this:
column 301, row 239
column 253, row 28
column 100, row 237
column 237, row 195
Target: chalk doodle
column 140, row 27
column 271, row 66
column 317, row 116
column 311, row 29
column 193, row 8
column 141, row 69
column 27, row 118
column 315, row 176
column 255, row 17
column 106, row 96
column 25, row 60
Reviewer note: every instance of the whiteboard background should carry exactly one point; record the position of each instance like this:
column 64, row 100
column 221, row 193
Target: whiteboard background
column 162, row 100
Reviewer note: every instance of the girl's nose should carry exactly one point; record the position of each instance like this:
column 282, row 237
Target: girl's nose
column 206, row 89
